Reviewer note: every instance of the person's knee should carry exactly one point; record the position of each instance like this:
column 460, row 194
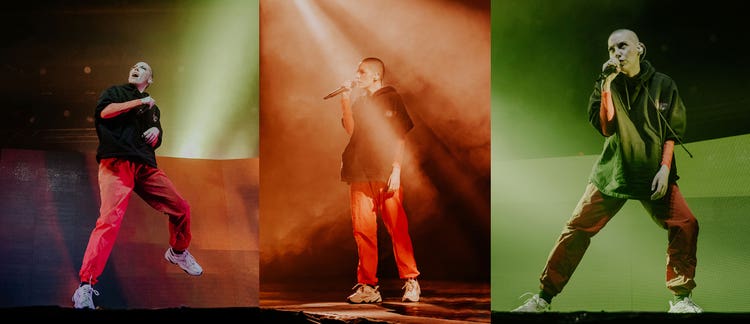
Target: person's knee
column 691, row 222
column 183, row 207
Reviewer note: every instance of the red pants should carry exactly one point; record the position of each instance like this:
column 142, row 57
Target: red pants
column 595, row 209
column 367, row 201
column 118, row 178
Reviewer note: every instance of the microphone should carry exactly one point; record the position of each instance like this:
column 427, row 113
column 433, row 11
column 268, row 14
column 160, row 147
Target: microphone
column 612, row 68
column 340, row 90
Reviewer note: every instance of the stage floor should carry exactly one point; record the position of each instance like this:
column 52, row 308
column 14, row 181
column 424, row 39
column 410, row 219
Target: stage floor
column 319, row 302
column 440, row 302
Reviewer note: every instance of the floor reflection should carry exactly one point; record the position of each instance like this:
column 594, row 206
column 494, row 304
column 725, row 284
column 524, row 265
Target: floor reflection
column 440, row 302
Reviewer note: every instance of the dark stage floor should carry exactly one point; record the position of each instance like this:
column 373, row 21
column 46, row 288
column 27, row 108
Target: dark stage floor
column 441, row 302
column 334, row 313
column 351, row 314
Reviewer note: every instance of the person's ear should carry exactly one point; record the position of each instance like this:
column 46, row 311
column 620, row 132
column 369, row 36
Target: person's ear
column 641, row 48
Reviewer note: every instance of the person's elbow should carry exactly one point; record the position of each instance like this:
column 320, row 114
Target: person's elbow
column 106, row 115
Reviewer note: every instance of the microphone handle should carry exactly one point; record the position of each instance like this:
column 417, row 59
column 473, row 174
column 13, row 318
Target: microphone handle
column 607, row 71
column 335, row 93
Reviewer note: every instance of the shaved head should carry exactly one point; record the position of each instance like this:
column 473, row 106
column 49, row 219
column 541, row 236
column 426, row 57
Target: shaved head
column 375, row 65
column 625, row 33
column 624, row 47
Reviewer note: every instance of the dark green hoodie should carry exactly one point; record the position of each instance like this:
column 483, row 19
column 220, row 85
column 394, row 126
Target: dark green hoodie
column 646, row 107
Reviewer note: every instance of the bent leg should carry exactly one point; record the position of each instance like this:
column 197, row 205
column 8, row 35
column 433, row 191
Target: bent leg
column 673, row 214
column 153, row 185
column 592, row 213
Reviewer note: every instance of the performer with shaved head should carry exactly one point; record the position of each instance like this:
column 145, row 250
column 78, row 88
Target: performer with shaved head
column 128, row 125
column 377, row 123
column 640, row 113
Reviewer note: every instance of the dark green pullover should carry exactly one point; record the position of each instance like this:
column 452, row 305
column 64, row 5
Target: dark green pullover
column 645, row 105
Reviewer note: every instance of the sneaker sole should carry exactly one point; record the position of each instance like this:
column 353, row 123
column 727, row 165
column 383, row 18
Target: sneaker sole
column 379, row 300
column 81, row 307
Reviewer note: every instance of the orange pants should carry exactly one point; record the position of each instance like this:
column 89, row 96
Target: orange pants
column 595, row 209
column 118, row 178
column 368, row 199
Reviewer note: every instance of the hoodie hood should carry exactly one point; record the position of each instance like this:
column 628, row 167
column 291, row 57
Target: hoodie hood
column 384, row 91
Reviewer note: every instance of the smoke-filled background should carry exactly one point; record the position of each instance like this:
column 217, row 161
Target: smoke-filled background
column 437, row 55
column 545, row 58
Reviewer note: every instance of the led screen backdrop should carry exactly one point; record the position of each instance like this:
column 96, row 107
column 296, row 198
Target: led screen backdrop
column 545, row 58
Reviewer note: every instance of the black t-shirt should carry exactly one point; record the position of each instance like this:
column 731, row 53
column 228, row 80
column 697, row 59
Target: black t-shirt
column 380, row 121
column 121, row 136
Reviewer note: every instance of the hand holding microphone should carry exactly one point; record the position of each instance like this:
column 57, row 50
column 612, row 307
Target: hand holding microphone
column 146, row 104
column 148, row 101
column 612, row 66
column 348, row 85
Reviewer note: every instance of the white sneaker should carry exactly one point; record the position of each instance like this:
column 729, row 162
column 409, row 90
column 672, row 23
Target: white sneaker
column 411, row 291
column 686, row 305
column 364, row 294
column 535, row 304
column 186, row 261
column 84, row 297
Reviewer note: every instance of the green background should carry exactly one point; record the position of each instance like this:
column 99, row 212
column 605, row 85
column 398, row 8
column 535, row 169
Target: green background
column 545, row 57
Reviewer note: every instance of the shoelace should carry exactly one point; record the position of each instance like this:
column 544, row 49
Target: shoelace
column 188, row 258
column 90, row 290
column 361, row 287
column 184, row 257
column 686, row 303
column 409, row 285
column 526, row 294
column 538, row 301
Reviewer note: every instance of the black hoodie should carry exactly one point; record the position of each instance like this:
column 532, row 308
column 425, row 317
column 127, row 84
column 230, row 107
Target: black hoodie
column 380, row 121
column 121, row 136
